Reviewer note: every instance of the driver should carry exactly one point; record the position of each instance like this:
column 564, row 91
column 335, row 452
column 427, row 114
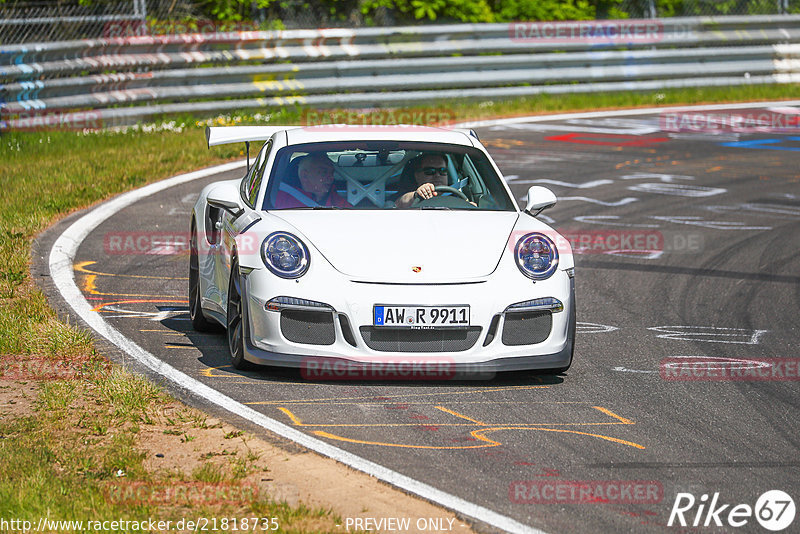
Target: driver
column 430, row 171
column 316, row 180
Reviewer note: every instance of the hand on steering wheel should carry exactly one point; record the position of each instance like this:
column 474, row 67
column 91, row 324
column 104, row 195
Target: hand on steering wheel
column 439, row 189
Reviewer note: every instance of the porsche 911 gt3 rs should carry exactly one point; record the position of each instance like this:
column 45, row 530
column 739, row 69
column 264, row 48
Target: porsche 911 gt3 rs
column 357, row 274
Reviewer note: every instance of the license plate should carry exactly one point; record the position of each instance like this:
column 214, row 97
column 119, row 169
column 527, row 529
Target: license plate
column 421, row 316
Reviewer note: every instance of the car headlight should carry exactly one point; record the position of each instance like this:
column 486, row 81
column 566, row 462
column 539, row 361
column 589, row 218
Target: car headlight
column 536, row 255
column 285, row 255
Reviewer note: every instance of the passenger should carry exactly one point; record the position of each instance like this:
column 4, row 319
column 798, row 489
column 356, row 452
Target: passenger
column 430, row 171
column 315, row 178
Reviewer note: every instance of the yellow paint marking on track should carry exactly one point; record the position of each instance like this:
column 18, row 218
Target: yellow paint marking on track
column 89, row 285
column 390, row 397
column 472, row 422
column 176, row 346
column 420, row 403
column 164, row 332
column 478, row 434
column 488, row 443
column 208, row 373
column 462, row 416
column 296, row 420
column 615, row 416
column 137, row 295
column 81, row 268
column 531, row 426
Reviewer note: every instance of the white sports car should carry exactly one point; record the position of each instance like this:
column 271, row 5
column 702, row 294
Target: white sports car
column 366, row 270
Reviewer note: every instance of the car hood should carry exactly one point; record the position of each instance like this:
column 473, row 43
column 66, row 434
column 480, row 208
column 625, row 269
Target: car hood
column 408, row 246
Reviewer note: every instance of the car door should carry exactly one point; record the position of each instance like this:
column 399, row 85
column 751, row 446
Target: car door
column 232, row 226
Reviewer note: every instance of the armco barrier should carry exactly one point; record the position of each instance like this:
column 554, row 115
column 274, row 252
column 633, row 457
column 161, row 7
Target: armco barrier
column 125, row 80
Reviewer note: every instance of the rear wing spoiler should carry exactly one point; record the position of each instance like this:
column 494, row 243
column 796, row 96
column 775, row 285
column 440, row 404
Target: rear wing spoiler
column 223, row 135
column 466, row 131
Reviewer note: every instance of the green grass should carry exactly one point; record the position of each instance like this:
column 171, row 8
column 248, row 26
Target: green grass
column 463, row 110
column 76, row 458
column 46, row 175
column 83, row 435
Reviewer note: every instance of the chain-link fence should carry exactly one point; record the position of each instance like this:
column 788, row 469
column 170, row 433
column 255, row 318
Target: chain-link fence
column 645, row 9
column 26, row 21
column 23, row 21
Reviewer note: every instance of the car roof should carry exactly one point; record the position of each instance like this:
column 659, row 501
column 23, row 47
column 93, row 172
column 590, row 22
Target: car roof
column 346, row 132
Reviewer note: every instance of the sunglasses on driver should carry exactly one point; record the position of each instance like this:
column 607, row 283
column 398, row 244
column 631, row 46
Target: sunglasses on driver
column 430, row 171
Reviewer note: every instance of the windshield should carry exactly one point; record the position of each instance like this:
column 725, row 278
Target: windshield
column 384, row 175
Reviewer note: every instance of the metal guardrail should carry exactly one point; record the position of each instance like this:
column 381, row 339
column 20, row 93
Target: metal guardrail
column 125, row 80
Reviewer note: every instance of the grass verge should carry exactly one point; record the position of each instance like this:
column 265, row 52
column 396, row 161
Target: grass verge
column 71, row 426
column 73, row 454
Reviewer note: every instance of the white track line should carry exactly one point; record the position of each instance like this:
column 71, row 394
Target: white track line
column 62, row 257
column 622, row 113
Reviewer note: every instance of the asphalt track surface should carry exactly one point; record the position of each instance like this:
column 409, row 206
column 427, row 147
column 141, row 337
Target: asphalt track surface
column 714, row 219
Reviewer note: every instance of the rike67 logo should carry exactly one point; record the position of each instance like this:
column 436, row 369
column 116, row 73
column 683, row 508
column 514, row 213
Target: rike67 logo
column 774, row 510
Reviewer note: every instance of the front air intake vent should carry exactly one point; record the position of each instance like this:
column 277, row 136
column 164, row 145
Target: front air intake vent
column 527, row 328
column 408, row 340
column 308, row 327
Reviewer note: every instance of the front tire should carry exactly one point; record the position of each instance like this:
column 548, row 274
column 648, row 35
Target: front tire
column 235, row 320
column 199, row 321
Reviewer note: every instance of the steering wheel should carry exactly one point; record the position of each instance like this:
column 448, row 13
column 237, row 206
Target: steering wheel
column 442, row 189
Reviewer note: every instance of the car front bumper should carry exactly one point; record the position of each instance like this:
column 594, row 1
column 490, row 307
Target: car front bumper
column 352, row 357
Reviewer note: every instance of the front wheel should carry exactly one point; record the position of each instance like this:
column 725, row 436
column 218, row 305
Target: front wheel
column 235, row 320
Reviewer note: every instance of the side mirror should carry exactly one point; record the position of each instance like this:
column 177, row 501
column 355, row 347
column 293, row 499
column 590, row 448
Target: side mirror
column 225, row 196
column 539, row 199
